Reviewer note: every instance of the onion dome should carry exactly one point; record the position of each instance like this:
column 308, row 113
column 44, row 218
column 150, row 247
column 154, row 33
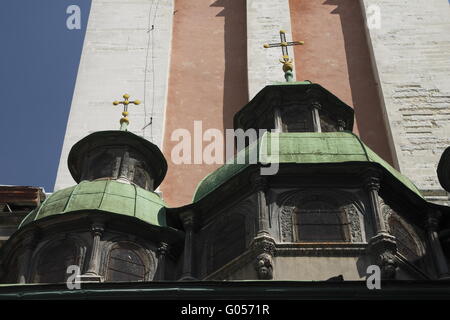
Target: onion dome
column 116, row 172
column 103, row 196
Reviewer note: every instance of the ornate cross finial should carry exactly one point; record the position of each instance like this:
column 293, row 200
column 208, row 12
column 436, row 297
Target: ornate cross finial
column 285, row 60
column 124, row 120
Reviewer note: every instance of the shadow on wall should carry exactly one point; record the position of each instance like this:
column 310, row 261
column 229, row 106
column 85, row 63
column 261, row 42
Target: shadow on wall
column 235, row 91
column 366, row 100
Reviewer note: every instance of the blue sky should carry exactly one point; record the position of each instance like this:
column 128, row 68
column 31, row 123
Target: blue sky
column 39, row 59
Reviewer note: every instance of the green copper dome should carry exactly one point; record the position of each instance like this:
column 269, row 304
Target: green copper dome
column 301, row 148
column 107, row 196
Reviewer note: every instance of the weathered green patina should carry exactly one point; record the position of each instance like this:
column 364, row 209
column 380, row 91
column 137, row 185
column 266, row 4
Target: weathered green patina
column 301, row 148
column 107, row 196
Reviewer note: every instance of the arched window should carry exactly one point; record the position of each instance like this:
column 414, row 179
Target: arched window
column 141, row 176
column 125, row 263
column 406, row 242
column 53, row 262
column 104, row 164
column 327, row 123
column 319, row 221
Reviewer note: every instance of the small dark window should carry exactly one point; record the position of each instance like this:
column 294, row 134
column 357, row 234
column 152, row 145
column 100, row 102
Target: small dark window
column 104, row 164
column 297, row 119
column 327, row 124
column 141, row 176
column 125, row 264
column 319, row 221
column 54, row 261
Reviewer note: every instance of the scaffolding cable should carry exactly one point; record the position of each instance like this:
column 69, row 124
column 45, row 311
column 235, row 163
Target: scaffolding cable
column 150, row 52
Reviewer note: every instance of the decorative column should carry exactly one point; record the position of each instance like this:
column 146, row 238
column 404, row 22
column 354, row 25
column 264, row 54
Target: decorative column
column 372, row 183
column 24, row 261
column 92, row 273
column 188, row 224
column 162, row 251
column 383, row 246
column 432, row 226
column 263, row 244
column 316, row 106
column 278, row 121
column 259, row 185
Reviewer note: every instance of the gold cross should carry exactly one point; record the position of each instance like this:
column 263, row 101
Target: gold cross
column 286, row 60
column 124, row 120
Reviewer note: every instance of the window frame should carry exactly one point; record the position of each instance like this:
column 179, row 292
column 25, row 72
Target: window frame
column 138, row 250
column 79, row 250
column 339, row 212
column 411, row 233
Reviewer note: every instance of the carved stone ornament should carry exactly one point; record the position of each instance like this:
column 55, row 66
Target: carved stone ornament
column 264, row 266
column 388, row 265
column 386, row 212
column 162, row 249
column 382, row 250
column 264, row 247
column 354, row 223
column 286, row 225
column 263, row 244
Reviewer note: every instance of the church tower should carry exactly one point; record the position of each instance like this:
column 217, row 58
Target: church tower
column 126, row 47
column 202, row 60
